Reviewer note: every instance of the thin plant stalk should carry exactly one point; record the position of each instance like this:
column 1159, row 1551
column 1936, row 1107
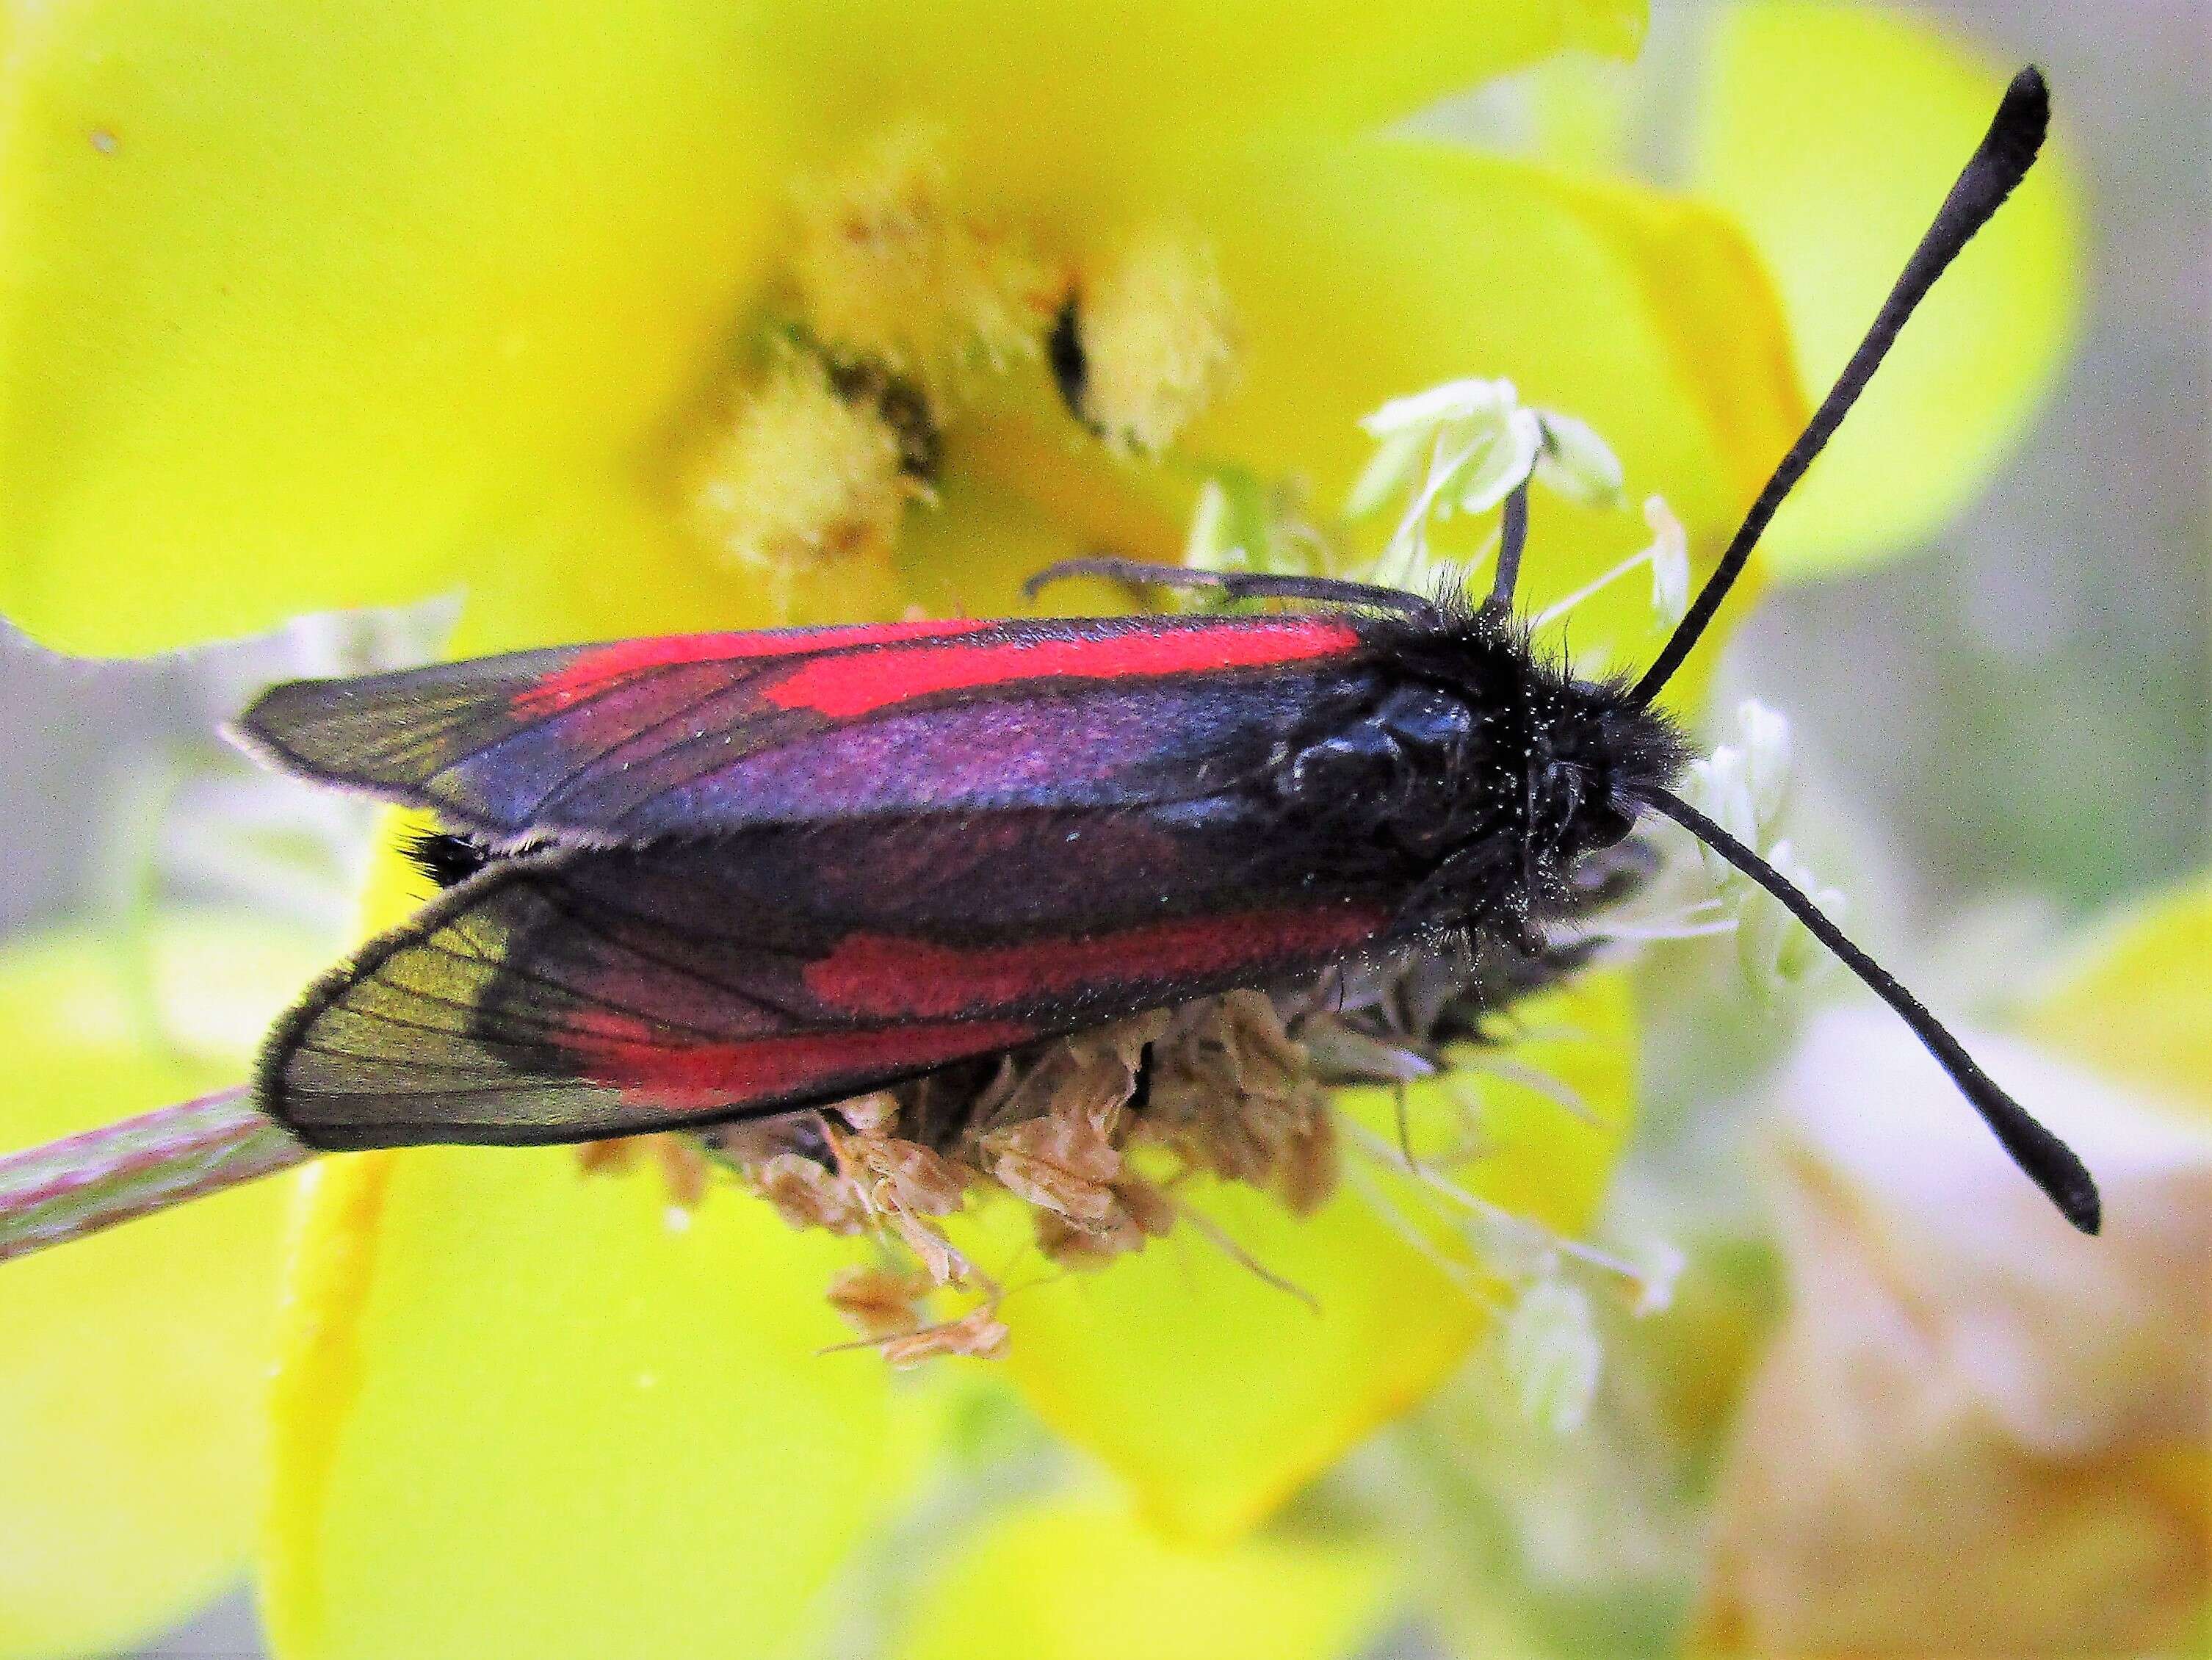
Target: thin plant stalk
column 81, row 1184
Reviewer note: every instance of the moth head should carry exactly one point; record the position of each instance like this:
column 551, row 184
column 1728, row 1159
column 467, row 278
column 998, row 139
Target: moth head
column 1597, row 762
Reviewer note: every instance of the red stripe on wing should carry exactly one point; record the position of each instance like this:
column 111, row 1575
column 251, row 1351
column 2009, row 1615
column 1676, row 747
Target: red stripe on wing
column 626, row 1050
column 596, row 667
column 883, row 977
column 844, row 686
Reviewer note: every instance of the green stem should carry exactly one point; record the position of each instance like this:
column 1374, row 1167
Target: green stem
column 65, row 1190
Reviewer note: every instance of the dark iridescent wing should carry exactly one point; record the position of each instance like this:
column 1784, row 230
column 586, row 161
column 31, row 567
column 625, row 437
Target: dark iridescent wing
column 586, row 992
column 619, row 744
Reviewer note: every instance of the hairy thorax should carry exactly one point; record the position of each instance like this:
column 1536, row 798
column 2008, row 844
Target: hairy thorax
column 1486, row 775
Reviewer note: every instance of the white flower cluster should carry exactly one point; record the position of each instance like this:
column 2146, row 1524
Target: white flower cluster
column 1463, row 446
column 1742, row 786
column 1471, row 443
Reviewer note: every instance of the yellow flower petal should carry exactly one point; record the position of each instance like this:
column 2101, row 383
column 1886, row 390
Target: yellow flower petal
column 604, row 558
column 1393, row 264
column 1022, row 490
column 1078, row 1579
column 2137, row 1003
column 1388, row 266
column 1123, row 95
column 130, row 1411
column 1214, row 1394
column 1832, row 133
column 1385, row 266
column 523, row 1411
column 304, row 309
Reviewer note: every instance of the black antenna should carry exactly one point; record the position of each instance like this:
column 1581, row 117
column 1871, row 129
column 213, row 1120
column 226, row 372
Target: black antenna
column 2042, row 1156
column 2006, row 152
column 1512, row 538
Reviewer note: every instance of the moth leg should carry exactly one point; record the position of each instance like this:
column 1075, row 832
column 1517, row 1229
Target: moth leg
column 1141, row 1092
column 1326, row 590
column 1610, row 875
column 1513, row 536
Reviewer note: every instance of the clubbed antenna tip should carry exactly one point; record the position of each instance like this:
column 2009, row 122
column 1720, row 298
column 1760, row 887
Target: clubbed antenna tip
column 2042, row 1156
column 2006, row 151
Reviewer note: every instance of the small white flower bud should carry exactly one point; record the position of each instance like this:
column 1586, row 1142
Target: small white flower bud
column 1659, row 1264
column 1578, row 464
column 1214, row 543
column 1396, row 465
column 1722, row 785
column 1777, row 950
column 1767, row 748
column 1669, row 555
column 1424, row 412
column 1501, row 465
column 1552, row 1355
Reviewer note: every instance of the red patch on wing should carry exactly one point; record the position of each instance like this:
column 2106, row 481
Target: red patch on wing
column 885, row 977
column 624, row 1049
column 847, row 686
column 595, row 667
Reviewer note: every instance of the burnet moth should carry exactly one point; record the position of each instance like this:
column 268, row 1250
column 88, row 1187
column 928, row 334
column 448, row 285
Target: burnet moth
column 731, row 876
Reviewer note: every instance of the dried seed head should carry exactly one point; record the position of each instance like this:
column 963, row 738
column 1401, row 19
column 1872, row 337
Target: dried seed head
column 979, row 1333
column 1089, row 1074
column 1226, row 1086
column 609, row 1158
column 1047, row 1132
column 879, row 1303
column 1137, row 1212
column 682, row 1161
column 1063, row 1162
column 684, row 1168
column 1233, row 1095
column 902, row 1184
column 1308, row 1172
column 875, row 1114
column 807, row 1194
column 904, row 1175
column 943, row 1264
